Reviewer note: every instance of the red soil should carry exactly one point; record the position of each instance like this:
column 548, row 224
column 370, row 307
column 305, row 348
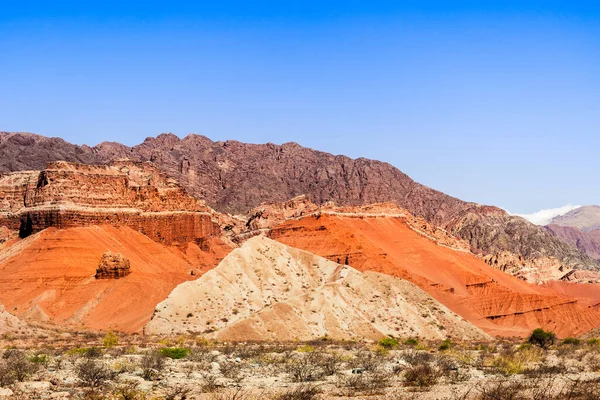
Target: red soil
column 496, row 302
column 50, row 276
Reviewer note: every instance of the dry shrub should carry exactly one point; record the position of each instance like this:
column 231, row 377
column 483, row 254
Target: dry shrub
column 422, row 376
column 331, row 363
column 15, row 366
column 128, row 391
column 209, row 384
column 302, row 392
column 238, row 393
column 304, row 367
column 581, row 390
column 232, row 370
column 177, row 392
column 152, row 363
column 502, row 390
column 370, row 383
column 368, row 360
column 93, row 374
column 514, row 361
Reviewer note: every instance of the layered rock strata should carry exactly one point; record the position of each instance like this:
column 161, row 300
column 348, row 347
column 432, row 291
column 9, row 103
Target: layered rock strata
column 124, row 193
column 496, row 302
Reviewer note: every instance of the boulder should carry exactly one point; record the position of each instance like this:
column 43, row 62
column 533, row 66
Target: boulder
column 113, row 266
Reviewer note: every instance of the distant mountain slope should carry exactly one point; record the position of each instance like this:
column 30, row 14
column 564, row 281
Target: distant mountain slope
column 282, row 293
column 586, row 218
column 587, row 242
column 235, row 177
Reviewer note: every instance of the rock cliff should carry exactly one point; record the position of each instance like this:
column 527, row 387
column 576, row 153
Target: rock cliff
column 123, row 193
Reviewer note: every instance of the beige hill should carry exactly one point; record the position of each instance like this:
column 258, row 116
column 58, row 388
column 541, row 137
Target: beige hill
column 11, row 325
column 266, row 290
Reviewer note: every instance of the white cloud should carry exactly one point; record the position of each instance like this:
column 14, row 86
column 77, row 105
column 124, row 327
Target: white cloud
column 543, row 217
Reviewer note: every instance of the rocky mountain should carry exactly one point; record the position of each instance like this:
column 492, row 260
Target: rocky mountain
column 122, row 193
column 236, row 177
column 586, row 218
column 586, row 241
column 277, row 292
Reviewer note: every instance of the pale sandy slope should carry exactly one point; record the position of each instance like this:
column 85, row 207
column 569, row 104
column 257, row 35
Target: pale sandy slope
column 266, row 290
column 13, row 326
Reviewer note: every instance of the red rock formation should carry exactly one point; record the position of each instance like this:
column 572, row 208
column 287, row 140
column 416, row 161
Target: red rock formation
column 124, row 193
column 48, row 277
column 538, row 270
column 113, row 266
column 494, row 301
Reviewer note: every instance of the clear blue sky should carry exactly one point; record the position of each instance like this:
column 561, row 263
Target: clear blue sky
column 491, row 101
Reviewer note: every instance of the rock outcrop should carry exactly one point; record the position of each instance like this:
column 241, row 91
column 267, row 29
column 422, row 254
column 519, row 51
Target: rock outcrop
column 266, row 290
column 123, row 193
column 491, row 231
column 113, row 266
column 236, row 177
column 535, row 271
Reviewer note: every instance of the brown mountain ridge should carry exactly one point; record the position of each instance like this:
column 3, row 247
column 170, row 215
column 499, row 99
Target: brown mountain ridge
column 235, row 177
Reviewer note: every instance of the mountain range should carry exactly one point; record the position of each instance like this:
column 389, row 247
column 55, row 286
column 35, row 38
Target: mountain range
column 234, row 177
column 161, row 236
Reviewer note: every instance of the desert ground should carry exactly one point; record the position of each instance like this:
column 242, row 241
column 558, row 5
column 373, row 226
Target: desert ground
column 84, row 365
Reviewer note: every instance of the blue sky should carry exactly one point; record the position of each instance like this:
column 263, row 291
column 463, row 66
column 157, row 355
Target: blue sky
column 491, row 101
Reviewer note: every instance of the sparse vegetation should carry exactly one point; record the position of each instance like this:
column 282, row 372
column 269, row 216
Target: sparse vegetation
column 176, row 353
column 186, row 367
column 93, row 374
column 152, row 363
column 110, row 340
column 388, row 343
column 542, row 338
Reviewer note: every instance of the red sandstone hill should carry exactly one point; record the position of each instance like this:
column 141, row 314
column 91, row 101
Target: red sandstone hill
column 50, row 276
column 494, row 301
column 235, row 177
column 70, row 216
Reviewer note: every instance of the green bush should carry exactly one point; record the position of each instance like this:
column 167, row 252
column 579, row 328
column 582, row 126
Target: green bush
column 593, row 342
column 446, row 344
column 110, row 340
column 175, row 353
column 542, row 338
column 88, row 352
column 388, row 343
column 411, row 342
column 571, row 340
column 39, row 358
